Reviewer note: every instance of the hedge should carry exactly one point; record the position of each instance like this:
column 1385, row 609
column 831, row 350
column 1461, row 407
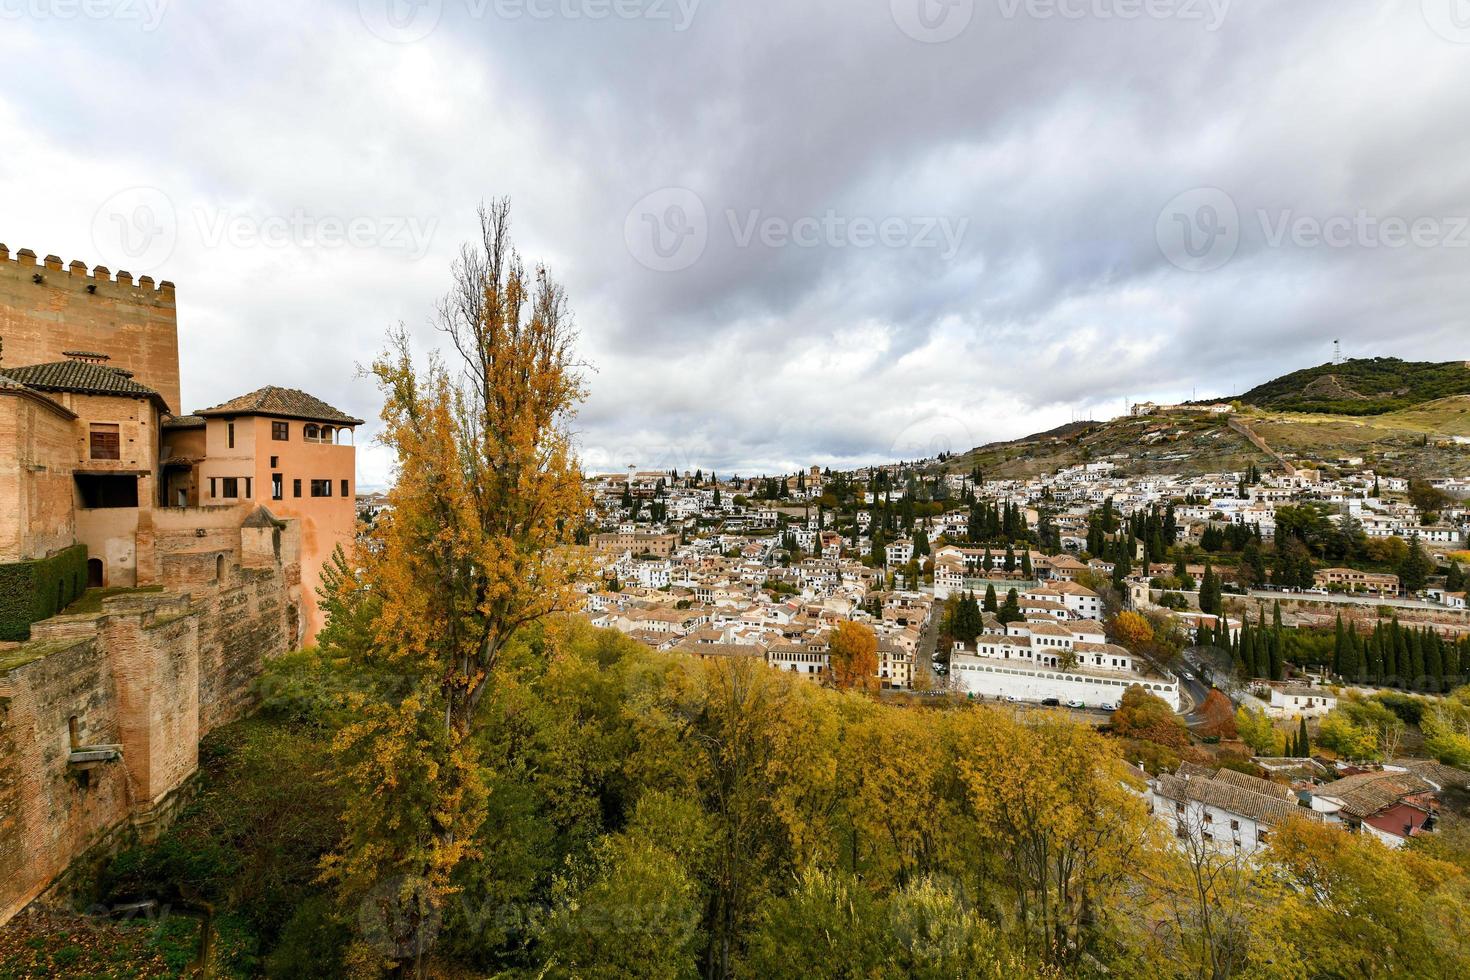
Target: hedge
column 31, row 591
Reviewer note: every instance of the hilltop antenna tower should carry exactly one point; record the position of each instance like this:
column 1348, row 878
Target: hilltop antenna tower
column 1337, row 352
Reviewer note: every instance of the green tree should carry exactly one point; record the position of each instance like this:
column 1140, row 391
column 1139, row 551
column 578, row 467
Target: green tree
column 1415, row 568
column 471, row 551
column 1010, row 611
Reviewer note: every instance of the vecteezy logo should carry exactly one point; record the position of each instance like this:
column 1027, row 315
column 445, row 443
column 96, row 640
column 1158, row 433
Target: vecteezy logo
column 666, row 231
column 398, row 918
column 1199, row 230
column 932, row 21
column 1450, row 19
column 931, row 437
column 136, row 229
column 400, row 21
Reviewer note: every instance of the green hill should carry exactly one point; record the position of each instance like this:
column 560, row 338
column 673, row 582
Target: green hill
column 1409, row 418
column 1367, row 386
column 1416, row 441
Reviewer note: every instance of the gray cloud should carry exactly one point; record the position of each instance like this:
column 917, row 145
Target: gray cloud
column 1054, row 141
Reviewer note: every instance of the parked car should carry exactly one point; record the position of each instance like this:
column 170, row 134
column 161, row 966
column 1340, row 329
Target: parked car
column 1075, row 704
column 1051, row 702
column 1010, row 699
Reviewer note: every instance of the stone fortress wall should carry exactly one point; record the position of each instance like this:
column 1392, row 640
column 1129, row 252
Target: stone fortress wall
column 101, row 713
column 47, row 308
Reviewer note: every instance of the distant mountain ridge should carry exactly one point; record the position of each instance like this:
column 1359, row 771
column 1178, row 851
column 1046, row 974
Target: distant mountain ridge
column 1362, row 386
column 1403, row 417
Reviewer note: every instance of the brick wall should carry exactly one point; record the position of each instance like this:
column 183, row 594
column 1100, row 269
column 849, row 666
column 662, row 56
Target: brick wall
column 134, row 323
column 152, row 672
column 37, row 453
column 50, row 813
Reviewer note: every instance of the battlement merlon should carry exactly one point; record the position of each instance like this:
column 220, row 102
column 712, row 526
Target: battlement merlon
column 94, row 281
column 48, row 307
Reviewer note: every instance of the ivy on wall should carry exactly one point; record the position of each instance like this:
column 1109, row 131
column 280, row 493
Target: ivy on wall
column 33, row 590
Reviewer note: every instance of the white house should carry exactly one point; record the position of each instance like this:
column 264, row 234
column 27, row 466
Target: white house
column 1042, row 659
column 1292, row 702
column 1223, row 810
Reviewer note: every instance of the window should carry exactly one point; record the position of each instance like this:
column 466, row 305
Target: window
column 321, row 488
column 229, row 487
column 275, row 461
column 1209, row 818
column 311, row 433
column 344, row 488
column 280, row 431
column 106, row 441
column 1235, row 825
column 99, row 490
column 278, row 489
column 295, row 488
column 230, row 433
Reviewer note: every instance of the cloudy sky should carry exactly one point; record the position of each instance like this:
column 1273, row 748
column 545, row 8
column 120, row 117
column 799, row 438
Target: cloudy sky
column 793, row 231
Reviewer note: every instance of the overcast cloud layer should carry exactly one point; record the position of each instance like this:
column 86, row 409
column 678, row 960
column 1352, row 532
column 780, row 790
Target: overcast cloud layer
column 793, row 231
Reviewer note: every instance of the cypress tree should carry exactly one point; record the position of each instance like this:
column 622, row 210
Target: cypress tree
column 1338, row 648
column 1433, row 663
column 1416, row 659
column 1353, row 667
column 1303, row 742
column 1375, row 655
column 1403, row 657
column 991, row 603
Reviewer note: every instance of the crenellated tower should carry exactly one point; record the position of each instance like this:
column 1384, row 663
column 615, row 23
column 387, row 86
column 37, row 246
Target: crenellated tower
column 48, row 308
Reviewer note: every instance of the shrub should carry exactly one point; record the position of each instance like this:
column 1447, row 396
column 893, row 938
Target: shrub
column 1143, row 716
column 31, row 591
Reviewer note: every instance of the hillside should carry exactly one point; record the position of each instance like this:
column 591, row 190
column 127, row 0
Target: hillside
column 1413, row 441
column 1139, row 445
column 1368, row 386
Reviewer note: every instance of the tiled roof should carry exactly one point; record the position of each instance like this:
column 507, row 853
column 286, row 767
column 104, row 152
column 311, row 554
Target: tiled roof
column 1365, row 794
column 722, row 649
column 1254, row 784
column 1435, row 772
column 261, row 517
column 184, row 422
column 283, row 402
column 80, row 377
column 1231, row 799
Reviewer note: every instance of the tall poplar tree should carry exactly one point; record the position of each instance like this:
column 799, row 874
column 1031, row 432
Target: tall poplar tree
column 470, row 551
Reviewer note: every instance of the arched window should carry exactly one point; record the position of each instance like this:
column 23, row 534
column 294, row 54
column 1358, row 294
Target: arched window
column 219, row 568
column 312, row 432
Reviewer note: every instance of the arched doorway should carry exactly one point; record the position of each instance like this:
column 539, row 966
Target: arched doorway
column 95, row 576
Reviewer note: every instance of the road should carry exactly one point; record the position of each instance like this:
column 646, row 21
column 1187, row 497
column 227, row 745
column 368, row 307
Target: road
column 1349, row 600
column 924, row 677
column 1193, row 692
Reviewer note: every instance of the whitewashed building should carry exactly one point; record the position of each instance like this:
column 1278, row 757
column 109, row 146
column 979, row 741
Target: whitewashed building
column 1223, row 810
column 1041, row 659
